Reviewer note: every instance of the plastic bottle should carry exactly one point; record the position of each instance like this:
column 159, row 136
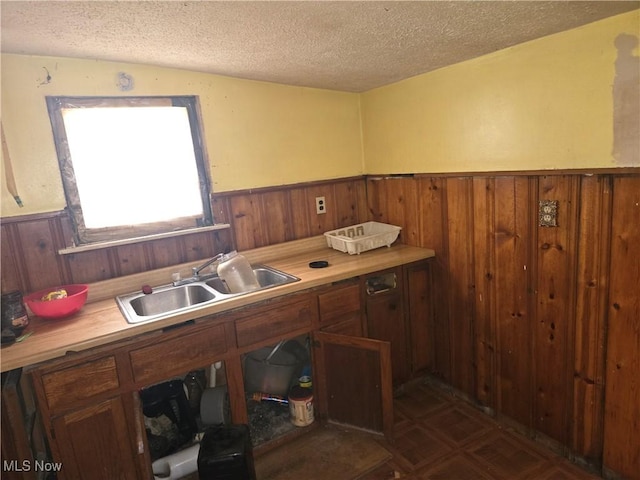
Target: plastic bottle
column 236, row 272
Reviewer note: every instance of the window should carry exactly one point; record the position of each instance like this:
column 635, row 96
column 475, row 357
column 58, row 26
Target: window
column 131, row 166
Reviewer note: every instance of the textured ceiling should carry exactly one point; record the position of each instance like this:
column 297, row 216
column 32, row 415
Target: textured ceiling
column 350, row 46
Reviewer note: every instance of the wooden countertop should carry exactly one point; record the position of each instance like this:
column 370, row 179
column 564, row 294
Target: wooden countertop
column 100, row 321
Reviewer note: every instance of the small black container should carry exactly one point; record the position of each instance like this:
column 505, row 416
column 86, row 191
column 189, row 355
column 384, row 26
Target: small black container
column 168, row 399
column 226, row 454
column 14, row 313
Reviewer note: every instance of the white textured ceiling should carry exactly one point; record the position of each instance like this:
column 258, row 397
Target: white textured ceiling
column 350, row 46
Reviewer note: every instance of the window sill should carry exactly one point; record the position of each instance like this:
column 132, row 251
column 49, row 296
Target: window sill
column 128, row 241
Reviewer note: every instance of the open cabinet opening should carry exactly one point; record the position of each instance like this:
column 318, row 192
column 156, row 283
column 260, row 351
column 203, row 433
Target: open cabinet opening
column 176, row 414
column 277, row 380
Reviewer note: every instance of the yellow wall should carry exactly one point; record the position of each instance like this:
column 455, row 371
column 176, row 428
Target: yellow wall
column 545, row 104
column 257, row 134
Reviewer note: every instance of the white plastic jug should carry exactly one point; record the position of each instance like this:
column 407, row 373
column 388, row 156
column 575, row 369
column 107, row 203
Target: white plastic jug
column 236, row 272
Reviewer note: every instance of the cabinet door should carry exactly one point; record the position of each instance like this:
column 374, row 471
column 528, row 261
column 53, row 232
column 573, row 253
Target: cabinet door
column 386, row 320
column 353, row 377
column 15, row 447
column 419, row 314
column 97, row 442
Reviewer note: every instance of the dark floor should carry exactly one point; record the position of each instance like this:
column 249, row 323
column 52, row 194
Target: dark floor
column 440, row 436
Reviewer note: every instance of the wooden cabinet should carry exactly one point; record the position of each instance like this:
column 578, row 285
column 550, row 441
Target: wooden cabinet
column 104, row 428
column 353, row 378
column 92, row 421
column 17, row 430
column 76, row 384
column 187, row 348
column 91, row 406
column 419, row 313
column 340, row 309
column 271, row 320
column 386, row 318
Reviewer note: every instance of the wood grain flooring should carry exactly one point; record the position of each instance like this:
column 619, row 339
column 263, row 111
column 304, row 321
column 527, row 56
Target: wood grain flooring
column 439, row 436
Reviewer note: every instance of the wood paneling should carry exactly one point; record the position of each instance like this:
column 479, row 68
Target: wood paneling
column 30, row 244
column 538, row 313
column 555, row 287
column 533, row 322
column 511, row 288
column 272, row 216
column 30, row 259
column 591, row 315
column 432, row 214
column 484, row 271
column 459, row 236
column 622, row 404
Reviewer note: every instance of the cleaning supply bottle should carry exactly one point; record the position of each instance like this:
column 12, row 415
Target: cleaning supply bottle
column 236, row 272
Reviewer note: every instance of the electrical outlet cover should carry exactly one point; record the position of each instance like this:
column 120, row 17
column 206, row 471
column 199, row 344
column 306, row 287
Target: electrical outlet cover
column 548, row 213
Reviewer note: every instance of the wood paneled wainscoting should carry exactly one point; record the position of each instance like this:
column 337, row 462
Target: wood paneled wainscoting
column 30, row 244
column 540, row 324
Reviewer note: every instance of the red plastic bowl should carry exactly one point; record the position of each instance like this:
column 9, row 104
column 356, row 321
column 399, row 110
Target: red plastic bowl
column 61, row 307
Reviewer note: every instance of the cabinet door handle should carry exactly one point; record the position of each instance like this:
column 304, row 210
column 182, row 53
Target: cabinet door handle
column 372, row 291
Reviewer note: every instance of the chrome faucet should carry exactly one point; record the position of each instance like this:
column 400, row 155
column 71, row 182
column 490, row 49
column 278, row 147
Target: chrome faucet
column 195, row 271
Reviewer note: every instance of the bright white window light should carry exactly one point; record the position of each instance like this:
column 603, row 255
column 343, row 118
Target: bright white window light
column 133, row 165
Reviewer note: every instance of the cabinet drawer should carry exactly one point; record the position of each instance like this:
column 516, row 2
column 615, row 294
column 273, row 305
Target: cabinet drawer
column 67, row 386
column 337, row 304
column 264, row 323
column 193, row 349
column 351, row 326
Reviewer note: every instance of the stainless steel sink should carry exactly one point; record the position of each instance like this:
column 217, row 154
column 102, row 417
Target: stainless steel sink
column 193, row 294
column 267, row 277
column 164, row 301
column 171, row 299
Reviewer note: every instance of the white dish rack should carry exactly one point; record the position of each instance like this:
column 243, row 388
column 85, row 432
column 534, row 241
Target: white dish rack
column 359, row 238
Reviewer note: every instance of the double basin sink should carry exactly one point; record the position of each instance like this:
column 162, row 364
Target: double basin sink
column 191, row 295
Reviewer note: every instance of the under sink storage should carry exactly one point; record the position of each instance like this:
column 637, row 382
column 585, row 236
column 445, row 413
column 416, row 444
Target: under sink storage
column 269, row 383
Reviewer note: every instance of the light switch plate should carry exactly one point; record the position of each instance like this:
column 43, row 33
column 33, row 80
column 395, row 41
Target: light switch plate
column 548, row 213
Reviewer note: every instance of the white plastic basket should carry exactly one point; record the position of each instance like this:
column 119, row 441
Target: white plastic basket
column 359, row 238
